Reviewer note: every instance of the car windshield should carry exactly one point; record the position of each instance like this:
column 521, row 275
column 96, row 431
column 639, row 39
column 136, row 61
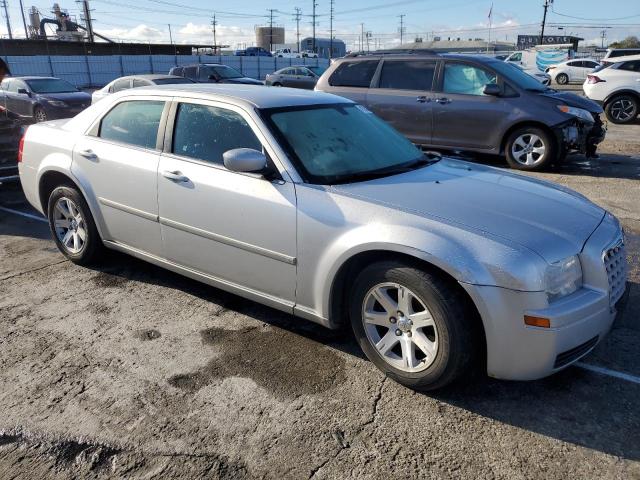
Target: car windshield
column 341, row 143
column 602, row 66
column 224, row 72
column 50, row 85
column 171, row 81
column 518, row 77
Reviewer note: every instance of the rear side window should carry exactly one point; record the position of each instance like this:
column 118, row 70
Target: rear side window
column 633, row 66
column 407, row 75
column 191, row 72
column 179, row 71
column 354, row 74
column 205, row 133
column 137, row 82
column 120, row 85
column 466, row 79
column 134, row 122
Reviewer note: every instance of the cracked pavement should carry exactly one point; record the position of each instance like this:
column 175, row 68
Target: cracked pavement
column 131, row 371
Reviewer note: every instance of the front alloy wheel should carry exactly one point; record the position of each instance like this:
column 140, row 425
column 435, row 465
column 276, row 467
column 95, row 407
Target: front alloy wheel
column 622, row 109
column 40, row 115
column 530, row 148
column 400, row 326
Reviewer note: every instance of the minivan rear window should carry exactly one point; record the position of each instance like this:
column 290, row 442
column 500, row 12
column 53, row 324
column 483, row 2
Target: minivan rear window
column 407, row 74
column 354, row 74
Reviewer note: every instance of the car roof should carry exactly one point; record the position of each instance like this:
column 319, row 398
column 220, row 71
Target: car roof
column 34, row 77
column 417, row 55
column 248, row 95
column 625, row 58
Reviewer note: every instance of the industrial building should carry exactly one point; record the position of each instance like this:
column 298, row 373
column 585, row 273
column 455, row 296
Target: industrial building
column 323, row 45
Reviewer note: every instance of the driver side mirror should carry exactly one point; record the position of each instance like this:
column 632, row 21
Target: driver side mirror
column 24, row 91
column 492, row 89
column 245, row 160
column 214, row 77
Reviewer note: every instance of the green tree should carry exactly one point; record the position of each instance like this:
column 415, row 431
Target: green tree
column 629, row 42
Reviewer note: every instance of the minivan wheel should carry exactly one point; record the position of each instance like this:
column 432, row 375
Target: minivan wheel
column 562, row 79
column 622, row 109
column 530, row 148
column 412, row 325
column 73, row 227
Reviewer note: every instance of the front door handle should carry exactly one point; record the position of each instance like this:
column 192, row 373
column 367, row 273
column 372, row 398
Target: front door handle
column 443, row 100
column 175, row 176
column 88, row 154
column 423, row 99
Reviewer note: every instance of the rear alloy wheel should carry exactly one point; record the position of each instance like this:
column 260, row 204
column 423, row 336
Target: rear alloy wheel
column 530, row 148
column 622, row 109
column 72, row 226
column 277, row 84
column 562, row 79
column 412, row 325
column 39, row 115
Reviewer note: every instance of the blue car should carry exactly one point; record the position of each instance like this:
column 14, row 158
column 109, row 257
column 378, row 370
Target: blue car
column 42, row 98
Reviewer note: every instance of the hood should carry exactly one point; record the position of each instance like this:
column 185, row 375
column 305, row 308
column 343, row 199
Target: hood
column 243, row 80
column 70, row 98
column 553, row 221
column 573, row 100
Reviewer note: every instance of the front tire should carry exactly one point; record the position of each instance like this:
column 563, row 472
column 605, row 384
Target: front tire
column 39, row 115
column 622, row 109
column 562, row 79
column 531, row 149
column 412, row 325
column 73, row 227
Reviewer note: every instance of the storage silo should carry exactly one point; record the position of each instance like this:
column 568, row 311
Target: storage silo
column 267, row 37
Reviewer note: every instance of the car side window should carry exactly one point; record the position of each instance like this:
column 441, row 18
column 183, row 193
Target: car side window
column 120, row 85
column 133, row 122
column 191, row 72
column 13, row 86
column 408, row 74
column 574, row 64
column 179, row 71
column 205, row 133
column 354, row 74
column 633, row 66
column 138, row 82
column 466, row 79
column 287, row 71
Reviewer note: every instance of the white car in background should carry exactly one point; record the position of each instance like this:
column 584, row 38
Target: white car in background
column 616, row 86
column 572, row 71
column 286, row 53
column 135, row 81
column 543, row 78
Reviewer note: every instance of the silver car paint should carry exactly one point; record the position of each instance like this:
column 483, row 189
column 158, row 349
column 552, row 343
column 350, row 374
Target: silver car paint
column 457, row 216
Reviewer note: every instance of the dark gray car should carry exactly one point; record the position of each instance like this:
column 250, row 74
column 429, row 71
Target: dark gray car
column 469, row 103
column 43, row 98
column 213, row 73
column 296, row 77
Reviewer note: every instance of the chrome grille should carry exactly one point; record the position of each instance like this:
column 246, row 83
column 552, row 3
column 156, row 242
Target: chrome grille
column 615, row 262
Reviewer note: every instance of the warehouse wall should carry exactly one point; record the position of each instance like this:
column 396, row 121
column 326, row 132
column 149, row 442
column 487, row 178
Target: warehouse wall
column 97, row 71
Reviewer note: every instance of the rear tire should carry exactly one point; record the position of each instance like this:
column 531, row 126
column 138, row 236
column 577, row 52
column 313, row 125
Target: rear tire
column 39, row 115
column 430, row 341
column 622, row 109
column 73, row 227
column 277, row 84
column 562, row 79
column 531, row 149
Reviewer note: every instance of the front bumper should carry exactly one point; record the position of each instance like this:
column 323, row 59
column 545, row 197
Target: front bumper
column 577, row 135
column 579, row 321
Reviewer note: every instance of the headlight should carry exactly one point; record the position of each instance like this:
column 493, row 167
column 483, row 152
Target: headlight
column 576, row 112
column 56, row 103
column 563, row 278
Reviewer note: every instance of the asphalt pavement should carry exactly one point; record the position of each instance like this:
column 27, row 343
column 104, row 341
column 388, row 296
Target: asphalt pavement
column 130, row 371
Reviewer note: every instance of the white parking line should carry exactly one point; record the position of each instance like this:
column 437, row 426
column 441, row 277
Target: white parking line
column 610, row 373
column 24, row 214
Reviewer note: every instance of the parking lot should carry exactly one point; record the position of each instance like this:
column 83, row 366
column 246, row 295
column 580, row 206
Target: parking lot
column 132, row 371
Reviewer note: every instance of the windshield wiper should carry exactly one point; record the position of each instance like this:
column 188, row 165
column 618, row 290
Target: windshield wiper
column 429, row 158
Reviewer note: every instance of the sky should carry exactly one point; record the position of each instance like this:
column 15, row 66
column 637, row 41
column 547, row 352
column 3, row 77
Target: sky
column 190, row 20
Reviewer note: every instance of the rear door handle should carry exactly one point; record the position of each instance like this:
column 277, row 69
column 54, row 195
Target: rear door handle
column 423, row 99
column 175, row 176
column 88, row 154
column 443, row 100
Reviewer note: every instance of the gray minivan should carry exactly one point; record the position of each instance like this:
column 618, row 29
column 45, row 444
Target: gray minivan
column 469, row 103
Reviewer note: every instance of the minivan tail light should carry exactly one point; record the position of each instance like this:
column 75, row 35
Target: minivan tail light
column 594, row 79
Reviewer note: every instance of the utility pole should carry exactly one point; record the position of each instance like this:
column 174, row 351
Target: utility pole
column 544, row 19
column 298, row 14
column 87, row 20
column 362, row 38
column 401, row 28
column 313, row 17
column 24, row 22
column 332, row 2
column 368, row 37
column 4, row 5
column 170, row 36
column 271, row 10
column 603, row 35
column 214, row 24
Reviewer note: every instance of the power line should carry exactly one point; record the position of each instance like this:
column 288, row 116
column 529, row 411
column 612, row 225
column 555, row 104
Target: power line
column 595, row 19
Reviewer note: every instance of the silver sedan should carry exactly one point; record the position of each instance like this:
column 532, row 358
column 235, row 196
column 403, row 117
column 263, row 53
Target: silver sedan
column 309, row 203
